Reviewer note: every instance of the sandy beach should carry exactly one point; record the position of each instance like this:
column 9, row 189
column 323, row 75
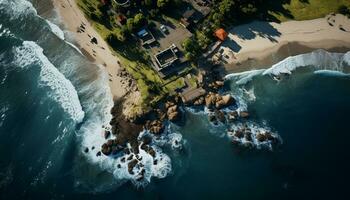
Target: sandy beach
column 262, row 44
column 73, row 18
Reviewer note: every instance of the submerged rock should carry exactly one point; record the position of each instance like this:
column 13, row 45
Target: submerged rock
column 244, row 114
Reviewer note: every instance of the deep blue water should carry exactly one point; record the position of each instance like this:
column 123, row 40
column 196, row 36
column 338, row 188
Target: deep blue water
column 43, row 129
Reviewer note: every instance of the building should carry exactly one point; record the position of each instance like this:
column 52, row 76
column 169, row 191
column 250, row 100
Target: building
column 221, row 34
column 190, row 95
column 146, row 37
column 166, row 58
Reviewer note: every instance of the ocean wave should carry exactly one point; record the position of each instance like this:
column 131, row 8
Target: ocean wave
column 141, row 174
column 319, row 59
column 331, row 73
column 17, row 8
column 61, row 89
column 56, row 30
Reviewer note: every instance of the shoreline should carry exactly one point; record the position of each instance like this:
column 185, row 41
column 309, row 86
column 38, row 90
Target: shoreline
column 260, row 44
column 73, row 20
column 282, row 51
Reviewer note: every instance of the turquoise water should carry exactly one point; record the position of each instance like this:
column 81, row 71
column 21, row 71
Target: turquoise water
column 50, row 109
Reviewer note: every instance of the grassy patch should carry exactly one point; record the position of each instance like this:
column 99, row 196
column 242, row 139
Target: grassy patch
column 309, row 9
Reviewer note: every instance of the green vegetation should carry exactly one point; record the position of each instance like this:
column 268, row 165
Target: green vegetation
column 311, row 9
column 133, row 58
column 223, row 14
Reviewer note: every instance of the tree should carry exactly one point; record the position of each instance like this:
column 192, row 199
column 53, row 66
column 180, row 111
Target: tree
column 163, row 3
column 130, row 24
column 139, row 20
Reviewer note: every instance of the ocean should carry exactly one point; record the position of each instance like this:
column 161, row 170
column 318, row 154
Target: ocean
column 54, row 102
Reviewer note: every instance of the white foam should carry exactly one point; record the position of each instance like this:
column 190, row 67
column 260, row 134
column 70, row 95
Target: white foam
column 255, row 129
column 244, row 77
column 61, row 89
column 17, row 8
column 121, row 173
column 56, row 30
column 75, row 47
column 319, row 59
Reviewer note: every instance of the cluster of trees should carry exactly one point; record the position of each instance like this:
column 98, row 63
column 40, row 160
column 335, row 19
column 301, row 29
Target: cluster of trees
column 224, row 13
column 344, row 10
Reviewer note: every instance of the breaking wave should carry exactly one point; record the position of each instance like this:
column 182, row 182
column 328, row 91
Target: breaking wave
column 61, row 89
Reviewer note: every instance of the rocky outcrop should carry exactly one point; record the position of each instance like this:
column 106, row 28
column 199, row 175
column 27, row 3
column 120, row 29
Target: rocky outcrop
column 172, row 111
column 131, row 166
column 220, row 115
column 111, row 147
column 156, row 127
column 232, row 116
column 213, row 100
column 198, row 102
column 216, row 85
column 244, row 114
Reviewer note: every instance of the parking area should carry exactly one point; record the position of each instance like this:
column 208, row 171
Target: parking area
column 167, row 33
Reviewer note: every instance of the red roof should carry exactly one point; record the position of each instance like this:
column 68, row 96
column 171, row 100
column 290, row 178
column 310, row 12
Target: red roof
column 221, row 34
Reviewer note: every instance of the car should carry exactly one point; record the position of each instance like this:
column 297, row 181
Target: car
column 164, row 29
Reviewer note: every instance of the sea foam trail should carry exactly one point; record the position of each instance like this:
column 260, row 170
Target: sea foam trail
column 319, row 60
column 56, row 30
column 62, row 90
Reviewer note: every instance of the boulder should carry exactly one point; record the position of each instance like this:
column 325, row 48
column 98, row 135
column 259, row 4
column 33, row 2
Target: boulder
column 173, row 113
column 244, row 114
column 156, row 127
column 212, row 118
column 151, row 152
column 106, row 149
column 239, row 133
column 107, row 134
column 98, row 154
column 199, row 101
column 220, row 115
column 86, row 150
column 131, row 166
column 261, row 137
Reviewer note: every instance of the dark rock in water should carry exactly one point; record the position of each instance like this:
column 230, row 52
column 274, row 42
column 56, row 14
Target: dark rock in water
column 244, row 114
column 106, row 149
column 233, row 116
column 248, row 136
column 93, row 147
column 261, row 137
column 212, row 118
column 130, row 157
column 110, row 142
column 86, row 150
column 122, row 160
column 127, row 151
column 239, row 134
column 98, row 154
column 107, row 134
column 220, row 115
column 131, row 165
column 151, row 152
column 119, row 166
column 155, row 162
column 156, row 127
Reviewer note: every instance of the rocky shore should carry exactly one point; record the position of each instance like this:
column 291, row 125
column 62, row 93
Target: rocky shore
column 124, row 141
